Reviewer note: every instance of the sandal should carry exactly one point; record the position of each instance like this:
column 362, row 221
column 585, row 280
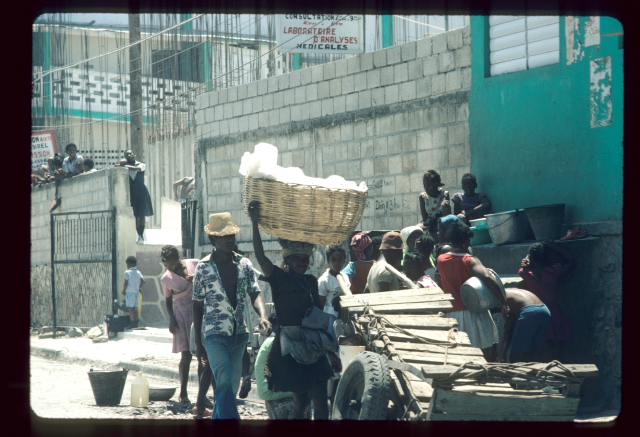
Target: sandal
column 246, row 387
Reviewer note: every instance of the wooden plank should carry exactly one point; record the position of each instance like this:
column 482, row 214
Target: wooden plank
column 457, row 402
column 395, row 293
column 579, row 370
column 495, row 417
column 496, row 390
column 429, row 358
column 411, row 308
column 461, row 337
column 423, row 347
column 421, row 390
column 422, row 321
column 374, row 300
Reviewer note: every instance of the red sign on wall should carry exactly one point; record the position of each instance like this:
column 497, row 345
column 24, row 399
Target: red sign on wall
column 43, row 146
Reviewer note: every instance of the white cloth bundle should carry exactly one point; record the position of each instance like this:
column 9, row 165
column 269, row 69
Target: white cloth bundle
column 262, row 164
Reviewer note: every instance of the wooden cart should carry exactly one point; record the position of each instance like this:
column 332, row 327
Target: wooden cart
column 413, row 348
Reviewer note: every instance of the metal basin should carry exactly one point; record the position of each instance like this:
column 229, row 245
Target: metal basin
column 161, row 392
column 507, row 227
column 546, row 221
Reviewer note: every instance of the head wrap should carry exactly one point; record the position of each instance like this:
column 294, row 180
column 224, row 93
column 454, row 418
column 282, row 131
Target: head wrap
column 359, row 243
column 406, row 232
column 449, row 220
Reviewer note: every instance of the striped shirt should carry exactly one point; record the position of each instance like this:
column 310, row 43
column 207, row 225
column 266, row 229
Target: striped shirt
column 467, row 203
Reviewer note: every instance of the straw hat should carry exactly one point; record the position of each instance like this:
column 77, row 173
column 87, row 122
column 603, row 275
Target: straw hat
column 221, row 224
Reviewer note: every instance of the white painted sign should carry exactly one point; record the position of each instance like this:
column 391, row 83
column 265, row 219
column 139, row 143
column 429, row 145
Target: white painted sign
column 43, row 146
column 600, row 99
column 317, row 33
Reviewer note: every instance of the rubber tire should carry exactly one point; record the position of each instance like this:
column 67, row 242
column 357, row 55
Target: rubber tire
column 370, row 370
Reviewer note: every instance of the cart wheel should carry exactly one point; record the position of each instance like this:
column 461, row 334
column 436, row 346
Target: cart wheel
column 363, row 390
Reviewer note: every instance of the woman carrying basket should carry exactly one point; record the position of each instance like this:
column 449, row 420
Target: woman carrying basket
column 293, row 293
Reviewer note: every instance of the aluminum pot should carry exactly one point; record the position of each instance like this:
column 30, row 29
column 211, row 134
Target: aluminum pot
column 507, row 227
column 477, row 297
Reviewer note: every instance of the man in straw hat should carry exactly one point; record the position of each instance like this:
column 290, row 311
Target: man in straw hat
column 381, row 279
column 222, row 284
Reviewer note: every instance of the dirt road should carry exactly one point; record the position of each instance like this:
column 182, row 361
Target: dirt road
column 61, row 390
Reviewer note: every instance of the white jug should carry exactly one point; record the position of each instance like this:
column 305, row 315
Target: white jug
column 140, row 391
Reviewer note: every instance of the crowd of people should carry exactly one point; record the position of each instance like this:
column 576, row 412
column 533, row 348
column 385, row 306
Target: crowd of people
column 208, row 301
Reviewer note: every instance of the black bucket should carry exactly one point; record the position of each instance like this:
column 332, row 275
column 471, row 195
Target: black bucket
column 107, row 385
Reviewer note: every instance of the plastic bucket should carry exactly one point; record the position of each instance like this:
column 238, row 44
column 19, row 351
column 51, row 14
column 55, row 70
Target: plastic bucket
column 478, row 223
column 546, row 221
column 477, row 297
column 347, row 353
column 480, row 236
column 507, row 227
column 107, row 385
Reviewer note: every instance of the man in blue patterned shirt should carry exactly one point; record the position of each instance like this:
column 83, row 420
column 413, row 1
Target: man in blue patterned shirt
column 223, row 283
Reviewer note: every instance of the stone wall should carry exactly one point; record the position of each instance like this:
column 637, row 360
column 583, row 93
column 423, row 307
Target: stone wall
column 384, row 117
column 99, row 191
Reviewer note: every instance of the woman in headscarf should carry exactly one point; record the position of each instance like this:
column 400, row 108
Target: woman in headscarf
column 359, row 270
column 293, row 292
column 410, row 235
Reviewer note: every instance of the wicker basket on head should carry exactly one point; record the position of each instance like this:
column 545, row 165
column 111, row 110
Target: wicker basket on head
column 306, row 213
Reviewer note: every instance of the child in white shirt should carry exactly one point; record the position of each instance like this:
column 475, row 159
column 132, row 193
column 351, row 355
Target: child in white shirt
column 133, row 282
column 328, row 287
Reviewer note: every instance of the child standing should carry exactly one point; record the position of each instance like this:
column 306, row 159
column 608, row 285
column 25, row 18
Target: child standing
column 133, row 282
column 434, row 199
column 470, row 205
column 328, row 287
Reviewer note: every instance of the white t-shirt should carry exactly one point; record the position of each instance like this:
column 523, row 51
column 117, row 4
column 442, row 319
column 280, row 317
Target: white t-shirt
column 134, row 277
column 328, row 286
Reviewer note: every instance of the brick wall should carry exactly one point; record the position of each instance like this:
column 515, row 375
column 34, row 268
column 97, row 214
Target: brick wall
column 384, row 117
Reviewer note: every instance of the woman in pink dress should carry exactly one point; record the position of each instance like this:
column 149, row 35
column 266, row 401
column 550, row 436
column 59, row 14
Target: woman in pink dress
column 177, row 286
column 541, row 276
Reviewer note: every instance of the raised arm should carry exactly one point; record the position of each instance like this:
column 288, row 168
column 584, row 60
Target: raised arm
column 480, row 272
column 265, row 264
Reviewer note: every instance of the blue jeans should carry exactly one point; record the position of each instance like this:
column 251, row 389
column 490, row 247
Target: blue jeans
column 225, row 358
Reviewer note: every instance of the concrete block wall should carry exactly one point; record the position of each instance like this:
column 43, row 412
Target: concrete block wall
column 102, row 190
column 383, row 117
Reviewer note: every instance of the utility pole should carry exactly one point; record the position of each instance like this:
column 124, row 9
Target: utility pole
column 135, row 87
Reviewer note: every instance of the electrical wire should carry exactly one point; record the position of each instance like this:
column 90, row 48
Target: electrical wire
column 183, row 94
column 117, row 50
column 49, row 96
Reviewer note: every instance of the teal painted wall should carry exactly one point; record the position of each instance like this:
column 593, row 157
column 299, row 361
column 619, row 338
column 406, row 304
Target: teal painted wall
column 531, row 140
